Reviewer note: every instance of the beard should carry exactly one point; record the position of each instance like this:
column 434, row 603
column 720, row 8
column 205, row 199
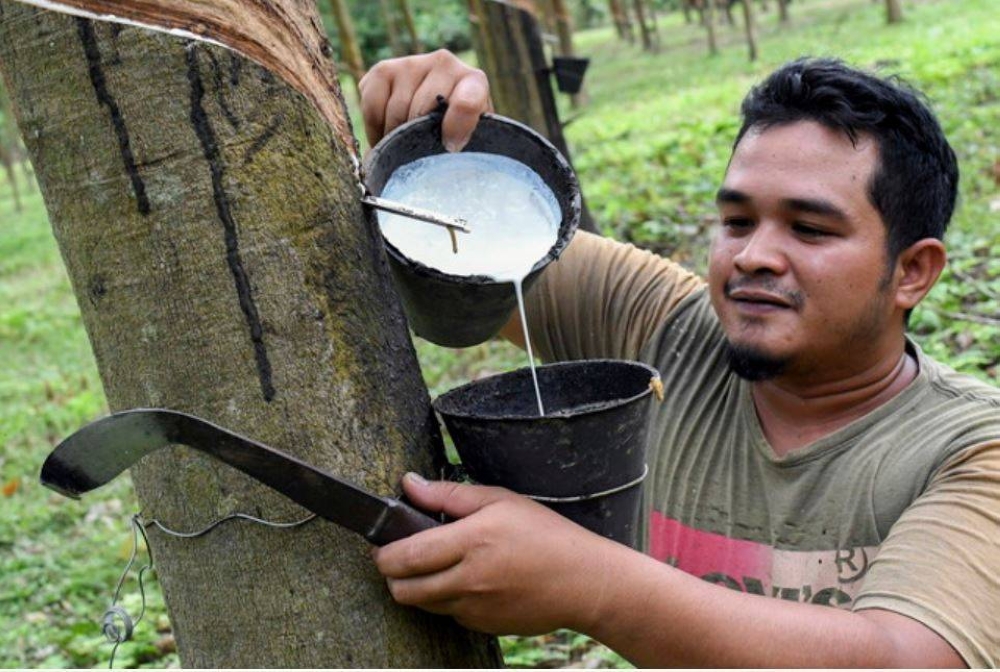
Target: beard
column 751, row 364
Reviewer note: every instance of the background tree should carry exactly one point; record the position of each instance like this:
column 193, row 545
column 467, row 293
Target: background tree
column 208, row 216
column 350, row 52
column 645, row 31
column 564, row 29
column 411, row 27
column 392, row 30
column 749, row 29
column 622, row 21
column 783, row 11
column 686, row 6
column 509, row 49
column 9, row 147
column 435, row 24
column 708, row 20
column 893, row 11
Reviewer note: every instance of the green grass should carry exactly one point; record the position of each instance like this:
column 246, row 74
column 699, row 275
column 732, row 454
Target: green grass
column 650, row 148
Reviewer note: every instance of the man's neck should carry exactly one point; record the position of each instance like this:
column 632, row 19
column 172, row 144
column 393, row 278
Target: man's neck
column 793, row 415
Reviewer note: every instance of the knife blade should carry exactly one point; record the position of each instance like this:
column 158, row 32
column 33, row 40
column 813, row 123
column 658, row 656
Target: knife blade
column 98, row 452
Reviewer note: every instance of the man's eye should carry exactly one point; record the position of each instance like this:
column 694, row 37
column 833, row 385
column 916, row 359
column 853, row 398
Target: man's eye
column 737, row 222
column 808, row 230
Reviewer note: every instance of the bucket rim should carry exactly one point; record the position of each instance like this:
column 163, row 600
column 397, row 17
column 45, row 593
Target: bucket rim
column 612, row 404
column 568, row 225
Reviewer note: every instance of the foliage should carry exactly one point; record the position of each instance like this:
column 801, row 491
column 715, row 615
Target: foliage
column 439, row 24
column 650, row 148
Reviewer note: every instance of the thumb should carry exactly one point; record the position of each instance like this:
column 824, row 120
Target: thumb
column 454, row 499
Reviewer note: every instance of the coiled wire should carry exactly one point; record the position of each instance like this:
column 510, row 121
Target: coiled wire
column 117, row 625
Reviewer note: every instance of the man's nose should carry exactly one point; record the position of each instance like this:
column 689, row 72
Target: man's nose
column 763, row 250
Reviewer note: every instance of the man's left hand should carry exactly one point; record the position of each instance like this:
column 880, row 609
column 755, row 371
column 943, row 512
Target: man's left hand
column 508, row 565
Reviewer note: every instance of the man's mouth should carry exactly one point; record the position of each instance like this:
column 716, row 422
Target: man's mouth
column 751, row 296
column 759, row 298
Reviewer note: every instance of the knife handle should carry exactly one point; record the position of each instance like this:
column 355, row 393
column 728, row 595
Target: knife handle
column 398, row 520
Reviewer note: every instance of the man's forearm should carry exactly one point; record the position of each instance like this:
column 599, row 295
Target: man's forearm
column 656, row 616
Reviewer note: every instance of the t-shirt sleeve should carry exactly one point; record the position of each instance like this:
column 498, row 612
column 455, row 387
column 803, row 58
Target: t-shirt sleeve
column 603, row 299
column 940, row 563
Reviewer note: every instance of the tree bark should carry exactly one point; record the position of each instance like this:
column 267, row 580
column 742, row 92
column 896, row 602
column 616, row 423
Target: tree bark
column 546, row 14
column 481, row 35
column 782, row 11
column 209, row 220
column 350, row 51
column 644, row 31
column 708, row 18
column 623, row 24
column 511, row 53
column 416, row 46
column 749, row 29
column 893, row 11
column 727, row 11
column 564, row 29
column 516, row 66
column 8, row 147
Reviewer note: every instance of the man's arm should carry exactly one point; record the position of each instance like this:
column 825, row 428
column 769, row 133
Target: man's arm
column 509, row 565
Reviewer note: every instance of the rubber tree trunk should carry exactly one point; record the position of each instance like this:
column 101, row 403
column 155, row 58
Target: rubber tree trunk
column 708, row 19
column 686, row 8
column 644, row 30
column 514, row 60
column 8, row 147
column 749, row 29
column 727, row 11
column 416, row 46
column 481, row 35
column 350, row 51
column 893, row 11
column 208, row 216
column 623, row 24
column 509, row 49
column 546, row 13
column 783, row 11
column 564, row 29
column 391, row 30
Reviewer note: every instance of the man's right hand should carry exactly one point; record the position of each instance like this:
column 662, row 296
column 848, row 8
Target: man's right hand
column 400, row 89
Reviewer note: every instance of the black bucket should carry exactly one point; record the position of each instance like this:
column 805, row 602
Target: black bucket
column 569, row 71
column 459, row 311
column 585, row 458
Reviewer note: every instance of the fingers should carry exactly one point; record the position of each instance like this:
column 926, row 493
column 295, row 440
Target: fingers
column 429, row 591
column 374, row 89
column 455, row 499
column 424, row 553
column 468, row 101
column 400, row 89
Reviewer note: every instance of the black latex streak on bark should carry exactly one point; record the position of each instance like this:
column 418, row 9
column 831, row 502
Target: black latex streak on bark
column 220, row 97
column 210, row 148
column 88, row 38
column 261, row 140
column 234, row 69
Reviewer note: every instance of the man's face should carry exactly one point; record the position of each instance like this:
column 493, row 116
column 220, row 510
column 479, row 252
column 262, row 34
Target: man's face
column 798, row 271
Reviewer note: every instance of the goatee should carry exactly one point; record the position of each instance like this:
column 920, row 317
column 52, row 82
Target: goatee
column 753, row 365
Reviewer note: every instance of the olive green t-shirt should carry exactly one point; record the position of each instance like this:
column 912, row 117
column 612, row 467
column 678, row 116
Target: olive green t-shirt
column 899, row 510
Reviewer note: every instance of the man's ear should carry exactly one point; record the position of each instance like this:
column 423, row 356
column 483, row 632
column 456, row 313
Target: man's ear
column 917, row 269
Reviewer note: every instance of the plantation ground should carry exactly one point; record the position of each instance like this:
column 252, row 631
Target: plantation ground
column 650, row 148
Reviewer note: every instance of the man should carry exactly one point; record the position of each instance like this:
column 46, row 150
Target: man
column 807, row 450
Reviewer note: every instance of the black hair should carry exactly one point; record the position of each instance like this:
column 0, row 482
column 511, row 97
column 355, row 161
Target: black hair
column 915, row 183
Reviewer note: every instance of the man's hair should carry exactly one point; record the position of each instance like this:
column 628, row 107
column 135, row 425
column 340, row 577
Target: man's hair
column 915, row 182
